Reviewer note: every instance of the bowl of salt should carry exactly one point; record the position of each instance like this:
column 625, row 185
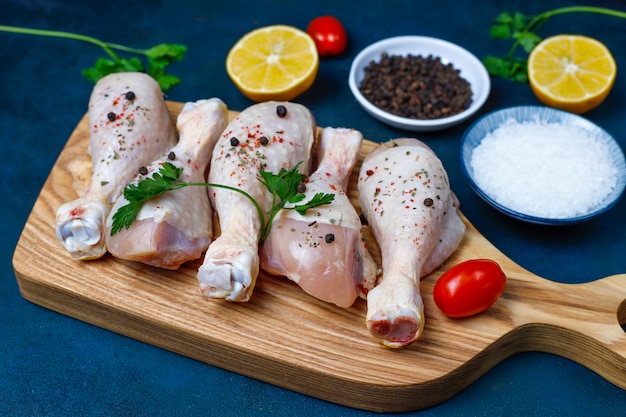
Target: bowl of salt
column 542, row 165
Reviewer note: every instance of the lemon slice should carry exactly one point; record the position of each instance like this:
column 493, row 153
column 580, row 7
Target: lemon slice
column 276, row 62
column 571, row 72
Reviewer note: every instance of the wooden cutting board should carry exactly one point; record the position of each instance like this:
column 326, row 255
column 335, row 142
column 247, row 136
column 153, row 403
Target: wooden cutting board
column 287, row 338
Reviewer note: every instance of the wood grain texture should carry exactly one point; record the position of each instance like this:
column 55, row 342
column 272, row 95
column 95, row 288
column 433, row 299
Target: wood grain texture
column 287, row 338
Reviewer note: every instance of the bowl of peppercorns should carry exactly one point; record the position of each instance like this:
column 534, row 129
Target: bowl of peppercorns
column 419, row 83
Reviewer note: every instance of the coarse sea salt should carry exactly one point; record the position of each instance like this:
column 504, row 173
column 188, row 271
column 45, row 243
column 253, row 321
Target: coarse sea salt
column 543, row 169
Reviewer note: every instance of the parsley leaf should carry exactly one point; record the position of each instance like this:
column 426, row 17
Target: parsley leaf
column 512, row 68
column 527, row 40
column 283, row 187
column 125, row 216
column 137, row 194
column 319, row 199
column 165, row 54
column 522, row 29
column 104, row 67
column 160, row 182
column 158, row 57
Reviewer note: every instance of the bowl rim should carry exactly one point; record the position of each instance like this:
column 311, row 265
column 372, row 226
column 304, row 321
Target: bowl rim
column 478, row 99
column 549, row 113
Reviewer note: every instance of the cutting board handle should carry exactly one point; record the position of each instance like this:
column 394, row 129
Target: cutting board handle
column 583, row 322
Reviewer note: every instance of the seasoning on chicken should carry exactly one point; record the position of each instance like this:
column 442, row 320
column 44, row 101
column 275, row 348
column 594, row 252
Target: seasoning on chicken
column 177, row 226
column 323, row 251
column 405, row 195
column 129, row 126
column 266, row 136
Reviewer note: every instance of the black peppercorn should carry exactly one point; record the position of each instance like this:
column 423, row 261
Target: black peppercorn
column 416, row 86
column 264, row 140
column 143, row 171
column 363, row 220
column 171, row 156
column 234, row 141
column 329, row 238
column 111, row 116
column 428, row 202
column 301, row 187
column 281, row 111
column 130, row 96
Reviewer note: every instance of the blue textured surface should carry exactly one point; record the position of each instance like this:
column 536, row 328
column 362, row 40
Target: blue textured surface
column 52, row 365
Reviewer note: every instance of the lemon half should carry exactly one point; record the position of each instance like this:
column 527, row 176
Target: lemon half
column 571, row 72
column 275, row 62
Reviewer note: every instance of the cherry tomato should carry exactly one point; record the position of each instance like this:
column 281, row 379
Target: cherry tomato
column 329, row 35
column 469, row 288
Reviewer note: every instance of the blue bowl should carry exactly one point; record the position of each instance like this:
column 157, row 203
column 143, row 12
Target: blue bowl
column 489, row 122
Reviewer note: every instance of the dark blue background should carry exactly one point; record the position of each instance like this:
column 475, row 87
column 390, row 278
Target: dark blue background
column 52, row 365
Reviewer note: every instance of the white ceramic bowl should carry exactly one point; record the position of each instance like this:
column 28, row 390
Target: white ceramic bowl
column 471, row 69
column 489, row 122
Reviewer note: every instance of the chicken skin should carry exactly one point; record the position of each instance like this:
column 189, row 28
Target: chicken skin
column 405, row 195
column 323, row 251
column 129, row 126
column 177, row 226
column 266, row 136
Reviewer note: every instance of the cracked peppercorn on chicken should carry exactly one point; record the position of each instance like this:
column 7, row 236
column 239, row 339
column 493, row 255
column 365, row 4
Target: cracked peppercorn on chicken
column 405, row 195
column 323, row 251
column 177, row 226
column 129, row 127
column 266, row 136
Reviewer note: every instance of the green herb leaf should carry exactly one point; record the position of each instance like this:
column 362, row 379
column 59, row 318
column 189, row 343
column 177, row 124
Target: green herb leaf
column 131, row 65
column 160, row 182
column 159, row 57
column 512, row 68
column 166, row 53
column 283, row 187
column 519, row 22
column 319, row 199
column 504, row 18
column 166, row 81
column 147, row 188
column 527, row 40
column 102, row 68
column 523, row 30
column 495, row 66
column 502, row 28
column 500, row 32
column 125, row 216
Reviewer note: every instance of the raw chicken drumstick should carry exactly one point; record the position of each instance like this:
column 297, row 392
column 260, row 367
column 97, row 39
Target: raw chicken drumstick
column 266, row 136
column 323, row 251
column 405, row 195
column 130, row 126
column 177, row 226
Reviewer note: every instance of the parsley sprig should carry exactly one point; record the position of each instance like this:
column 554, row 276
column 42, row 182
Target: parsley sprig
column 158, row 57
column 523, row 30
column 283, row 187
